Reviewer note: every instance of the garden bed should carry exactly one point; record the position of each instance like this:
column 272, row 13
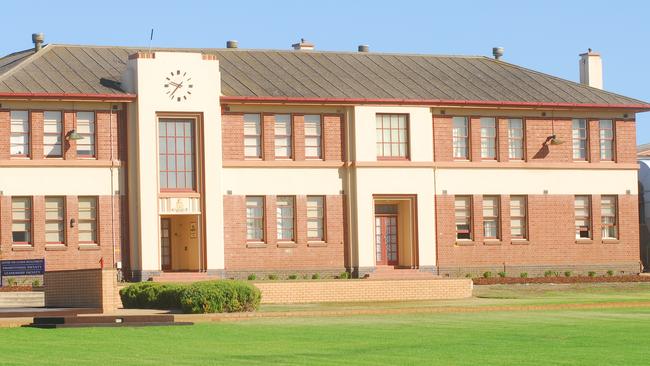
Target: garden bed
column 557, row 279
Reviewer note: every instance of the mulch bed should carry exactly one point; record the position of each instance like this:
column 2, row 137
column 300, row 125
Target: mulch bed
column 576, row 279
column 17, row 288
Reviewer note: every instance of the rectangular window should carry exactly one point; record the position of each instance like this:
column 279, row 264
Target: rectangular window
column 313, row 136
column 86, row 128
column 283, row 139
column 19, row 133
column 515, row 139
column 606, row 139
column 460, row 138
column 21, row 220
column 315, row 218
column 583, row 217
column 518, row 213
column 252, row 136
column 176, row 155
column 488, row 138
column 88, row 220
column 580, row 139
column 608, row 212
column 463, row 214
column 255, row 218
column 52, row 134
column 392, row 136
column 54, row 220
column 285, row 217
column 491, row 217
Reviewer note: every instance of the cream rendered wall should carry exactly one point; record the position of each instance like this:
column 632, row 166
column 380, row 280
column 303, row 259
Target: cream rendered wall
column 420, row 132
column 60, row 181
column 278, row 181
column 535, row 181
column 146, row 77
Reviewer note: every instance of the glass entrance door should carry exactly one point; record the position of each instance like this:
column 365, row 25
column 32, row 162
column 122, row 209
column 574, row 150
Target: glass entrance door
column 386, row 239
column 165, row 245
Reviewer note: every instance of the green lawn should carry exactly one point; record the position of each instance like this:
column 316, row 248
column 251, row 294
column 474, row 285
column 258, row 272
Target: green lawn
column 617, row 336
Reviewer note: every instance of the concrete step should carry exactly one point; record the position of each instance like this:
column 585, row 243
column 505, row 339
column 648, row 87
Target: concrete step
column 22, row 299
column 183, row 277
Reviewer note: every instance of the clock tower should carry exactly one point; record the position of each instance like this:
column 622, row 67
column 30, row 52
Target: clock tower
column 174, row 137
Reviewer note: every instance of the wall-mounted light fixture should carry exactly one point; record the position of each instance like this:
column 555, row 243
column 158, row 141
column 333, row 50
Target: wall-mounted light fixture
column 73, row 136
column 73, row 222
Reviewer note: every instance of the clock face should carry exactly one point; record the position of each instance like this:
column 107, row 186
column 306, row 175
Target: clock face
column 178, row 85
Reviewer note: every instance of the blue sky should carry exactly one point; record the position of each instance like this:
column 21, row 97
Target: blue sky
column 542, row 35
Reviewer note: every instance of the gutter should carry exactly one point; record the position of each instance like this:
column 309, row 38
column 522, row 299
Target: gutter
column 429, row 102
column 69, row 96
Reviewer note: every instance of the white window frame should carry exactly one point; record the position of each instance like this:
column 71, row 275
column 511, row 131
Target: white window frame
column 580, row 137
column 516, row 143
column 20, row 134
column 492, row 216
column 53, row 131
column 255, row 218
column 283, row 131
column 313, row 124
column 285, row 209
column 86, row 127
column 58, row 219
column 316, row 217
column 460, row 139
column 609, row 216
column 252, row 135
column 519, row 212
column 488, row 138
column 583, row 202
column 463, row 217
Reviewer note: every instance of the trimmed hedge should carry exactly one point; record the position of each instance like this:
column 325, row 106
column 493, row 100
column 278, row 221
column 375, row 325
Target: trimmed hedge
column 199, row 297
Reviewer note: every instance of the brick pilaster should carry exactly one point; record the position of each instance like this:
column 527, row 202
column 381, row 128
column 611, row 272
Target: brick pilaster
column 301, row 219
column 5, row 133
column 502, row 139
column 442, row 138
column 38, row 221
column 270, row 220
column 504, row 213
column 298, row 136
column 333, row 137
column 36, row 134
column 71, row 212
column 69, row 146
column 596, row 219
column 268, row 136
column 104, row 121
column 593, row 142
column 477, row 218
column 5, row 224
column 232, row 135
column 475, row 139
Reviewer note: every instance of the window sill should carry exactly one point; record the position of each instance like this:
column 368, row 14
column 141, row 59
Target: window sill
column 520, row 242
column 88, row 247
column 492, row 242
column 610, row 241
column 317, row 244
column 56, row 247
column 287, row 244
column 463, row 243
column 584, row 241
column 256, row 245
column 22, row 248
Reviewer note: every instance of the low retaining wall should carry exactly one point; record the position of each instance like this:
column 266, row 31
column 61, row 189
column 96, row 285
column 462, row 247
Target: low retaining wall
column 21, row 299
column 84, row 288
column 295, row 292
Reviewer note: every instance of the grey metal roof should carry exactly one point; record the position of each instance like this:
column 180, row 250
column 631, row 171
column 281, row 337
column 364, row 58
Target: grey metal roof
column 74, row 69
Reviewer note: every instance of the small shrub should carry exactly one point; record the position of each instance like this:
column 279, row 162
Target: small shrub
column 567, row 273
column 252, row 277
column 487, row 274
column 591, row 274
column 12, row 281
column 502, row 274
column 273, row 277
column 548, row 274
column 344, row 276
column 315, row 276
column 151, row 295
column 219, row 297
column 468, row 275
column 305, row 276
column 610, row 273
column 36, row 283
column 293, row 277
column 523, row 275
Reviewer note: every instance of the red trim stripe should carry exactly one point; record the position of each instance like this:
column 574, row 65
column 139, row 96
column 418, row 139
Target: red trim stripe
column 83, row 96
column 427, row 102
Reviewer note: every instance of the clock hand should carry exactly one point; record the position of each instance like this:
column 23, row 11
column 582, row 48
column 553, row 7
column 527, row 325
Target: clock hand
column 178, row 86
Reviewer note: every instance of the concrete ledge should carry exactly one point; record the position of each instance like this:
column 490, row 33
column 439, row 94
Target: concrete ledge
column 363, row 290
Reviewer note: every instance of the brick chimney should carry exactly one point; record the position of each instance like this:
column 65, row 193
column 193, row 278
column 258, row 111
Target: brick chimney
column 591, row 69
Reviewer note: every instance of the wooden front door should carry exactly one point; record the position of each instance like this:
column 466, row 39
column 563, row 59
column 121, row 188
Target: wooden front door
column 386, row 239
column 165, row 245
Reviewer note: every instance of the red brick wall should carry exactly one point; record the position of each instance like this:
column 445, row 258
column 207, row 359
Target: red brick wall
column 594, row 141
column 69, row 146
column 442, row 138
column 332, row 137
column 272, row 257
column 232, row 134
column 625, row 141
column 5, row 133
column 71, row 256
column 36, row 138
column 551, row 238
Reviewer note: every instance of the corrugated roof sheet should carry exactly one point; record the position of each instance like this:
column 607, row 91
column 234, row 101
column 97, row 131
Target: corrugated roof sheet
column 308, row 74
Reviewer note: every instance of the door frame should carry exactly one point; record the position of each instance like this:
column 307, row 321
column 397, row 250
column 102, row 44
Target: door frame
column 383, row 247
column 413, row 224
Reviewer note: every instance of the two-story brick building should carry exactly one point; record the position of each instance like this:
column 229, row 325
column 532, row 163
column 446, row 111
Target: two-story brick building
column 228, row 162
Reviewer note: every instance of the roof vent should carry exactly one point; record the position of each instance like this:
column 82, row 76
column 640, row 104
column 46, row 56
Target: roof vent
column 364, row 48
column 497, row 52
column 232, row 44
column 304, row 45
column 37, row 39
